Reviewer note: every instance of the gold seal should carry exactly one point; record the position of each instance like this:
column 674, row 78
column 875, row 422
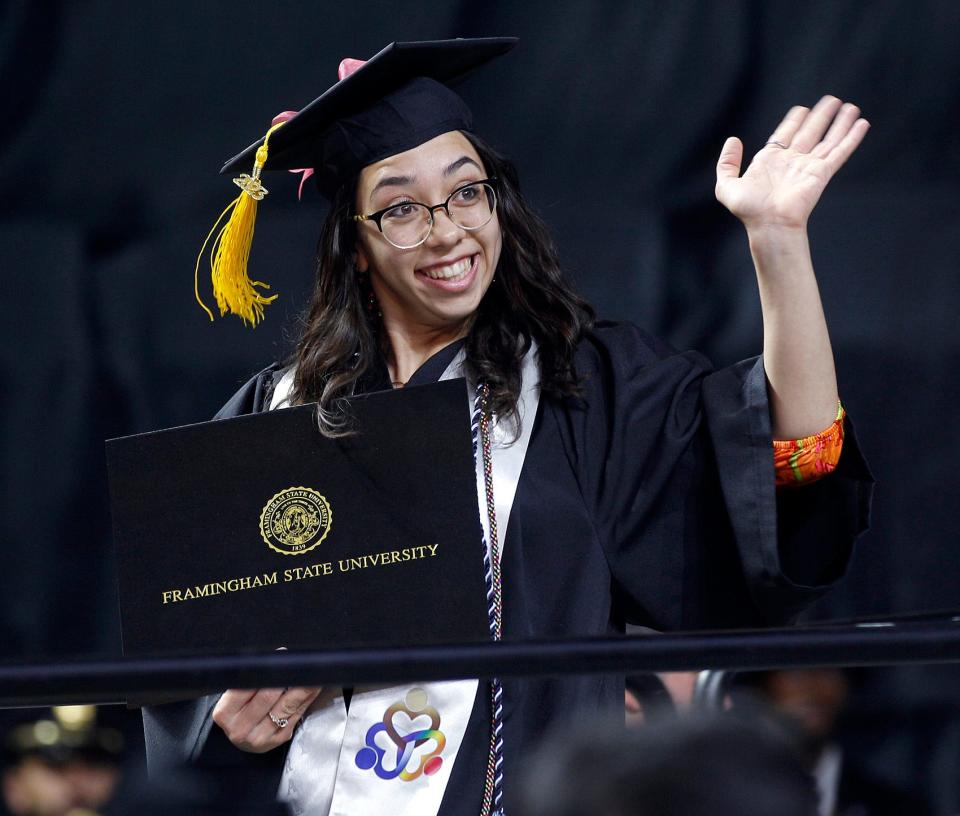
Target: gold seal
column 295, row 520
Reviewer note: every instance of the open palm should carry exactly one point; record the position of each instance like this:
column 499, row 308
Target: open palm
column 786, row 178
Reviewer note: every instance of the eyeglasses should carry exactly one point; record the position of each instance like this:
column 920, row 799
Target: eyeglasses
column 408, row 224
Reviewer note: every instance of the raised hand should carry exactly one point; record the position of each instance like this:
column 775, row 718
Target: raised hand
column 784, row 181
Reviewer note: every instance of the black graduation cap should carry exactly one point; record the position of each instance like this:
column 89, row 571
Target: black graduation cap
column 61, row 734
column 395, row 101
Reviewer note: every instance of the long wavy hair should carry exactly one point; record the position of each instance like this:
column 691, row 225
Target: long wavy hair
column 529, row 299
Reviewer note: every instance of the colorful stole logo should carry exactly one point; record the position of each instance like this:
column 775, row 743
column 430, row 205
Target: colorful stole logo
column 414, row 705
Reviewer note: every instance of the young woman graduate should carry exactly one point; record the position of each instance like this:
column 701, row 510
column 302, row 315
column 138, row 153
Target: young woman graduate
column 619, row 480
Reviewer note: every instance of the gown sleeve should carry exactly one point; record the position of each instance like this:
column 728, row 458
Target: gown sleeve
column 675, row 463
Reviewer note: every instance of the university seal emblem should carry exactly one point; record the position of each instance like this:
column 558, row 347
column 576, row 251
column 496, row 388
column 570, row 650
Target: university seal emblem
column 295, row 520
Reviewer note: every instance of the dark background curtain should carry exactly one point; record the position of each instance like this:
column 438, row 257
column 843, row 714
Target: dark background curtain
column 118, row 116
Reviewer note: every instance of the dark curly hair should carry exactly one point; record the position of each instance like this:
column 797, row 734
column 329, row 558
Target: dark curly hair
column 530, row 299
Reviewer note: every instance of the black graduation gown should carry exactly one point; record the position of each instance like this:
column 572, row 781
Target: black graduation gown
column 647, row 500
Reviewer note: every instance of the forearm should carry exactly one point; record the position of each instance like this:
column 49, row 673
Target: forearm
column 774, row 198
column 797, row 356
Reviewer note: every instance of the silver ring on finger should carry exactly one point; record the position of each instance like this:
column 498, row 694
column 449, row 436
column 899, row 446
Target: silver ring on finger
column 778, row 144
column 280, row 722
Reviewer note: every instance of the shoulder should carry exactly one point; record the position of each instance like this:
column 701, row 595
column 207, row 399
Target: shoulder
column 254, row 395
column 622, row 349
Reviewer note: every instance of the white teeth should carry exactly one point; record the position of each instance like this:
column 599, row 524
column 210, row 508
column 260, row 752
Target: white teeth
column 451, row 272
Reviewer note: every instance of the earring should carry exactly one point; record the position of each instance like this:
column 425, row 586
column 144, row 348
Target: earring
column 371, row 303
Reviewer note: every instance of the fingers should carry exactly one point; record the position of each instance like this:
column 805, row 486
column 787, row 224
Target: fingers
column 832, row 130
column 731, row 157
column 850, row 142
column 230, row 703
column 815, row 124
column 239, row 719
column 290, row 708
column 294, row 702
column 245, row 717
column 842, row 123
column 789, row 125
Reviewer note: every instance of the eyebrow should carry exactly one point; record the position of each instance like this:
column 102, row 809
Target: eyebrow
column 452, row 168
column 400, row 181
column 393, row 181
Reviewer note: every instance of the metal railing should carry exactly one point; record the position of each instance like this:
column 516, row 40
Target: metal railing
column 104, row 681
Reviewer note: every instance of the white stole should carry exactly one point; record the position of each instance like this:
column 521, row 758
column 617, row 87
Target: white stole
column 394, row 751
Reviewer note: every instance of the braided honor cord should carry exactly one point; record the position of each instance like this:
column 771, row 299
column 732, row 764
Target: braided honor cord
column 480, row 430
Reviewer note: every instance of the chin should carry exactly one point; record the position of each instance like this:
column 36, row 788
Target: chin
column 453, row 321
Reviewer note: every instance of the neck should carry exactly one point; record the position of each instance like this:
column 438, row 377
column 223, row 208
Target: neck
column 409, row 347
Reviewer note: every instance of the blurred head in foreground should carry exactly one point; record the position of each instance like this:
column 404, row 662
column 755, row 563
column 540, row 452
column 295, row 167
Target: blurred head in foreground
column 716, row 764
column 59, row 761
column 811, row 699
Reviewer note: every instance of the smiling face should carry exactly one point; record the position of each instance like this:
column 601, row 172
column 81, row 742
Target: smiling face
column 437, row 286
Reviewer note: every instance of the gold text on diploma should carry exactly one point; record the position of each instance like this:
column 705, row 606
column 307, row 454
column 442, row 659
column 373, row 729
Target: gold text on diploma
column 319, row 570
column 219, row 587
column 389, row 557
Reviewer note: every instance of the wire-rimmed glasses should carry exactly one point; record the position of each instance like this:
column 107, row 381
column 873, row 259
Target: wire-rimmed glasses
column 408, row 224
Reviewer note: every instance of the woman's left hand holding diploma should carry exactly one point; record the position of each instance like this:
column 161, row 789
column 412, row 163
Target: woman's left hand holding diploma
column 259, row 720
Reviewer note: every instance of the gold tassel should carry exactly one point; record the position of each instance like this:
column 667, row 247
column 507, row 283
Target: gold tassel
column 230, row 251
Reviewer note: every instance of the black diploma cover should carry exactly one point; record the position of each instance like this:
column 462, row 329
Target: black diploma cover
column 258, row 532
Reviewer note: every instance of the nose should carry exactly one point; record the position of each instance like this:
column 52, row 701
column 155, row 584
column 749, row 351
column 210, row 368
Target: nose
column 444, row 229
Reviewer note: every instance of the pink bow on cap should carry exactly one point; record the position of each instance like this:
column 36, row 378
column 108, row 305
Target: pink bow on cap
column 347, row 67
column 307, row 171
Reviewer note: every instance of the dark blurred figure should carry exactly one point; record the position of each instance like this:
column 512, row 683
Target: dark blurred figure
column 195, row 791
column 810, row 703
column 698, row 765
column 646, row 696
column 71, row 761
column 59, row 761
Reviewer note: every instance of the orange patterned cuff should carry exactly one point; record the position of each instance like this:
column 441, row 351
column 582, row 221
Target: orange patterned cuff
column 802, row 461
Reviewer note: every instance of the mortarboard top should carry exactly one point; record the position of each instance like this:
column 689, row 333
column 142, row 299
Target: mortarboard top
column 306, row 137
column 395, row 101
